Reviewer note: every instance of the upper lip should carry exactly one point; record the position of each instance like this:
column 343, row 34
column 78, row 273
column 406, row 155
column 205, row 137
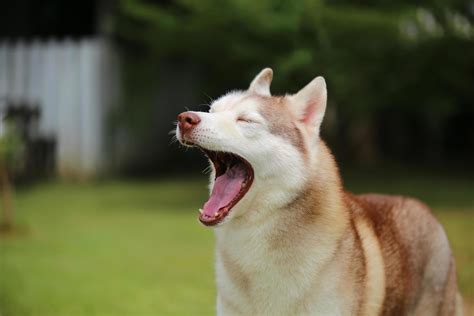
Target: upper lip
column 186, row 142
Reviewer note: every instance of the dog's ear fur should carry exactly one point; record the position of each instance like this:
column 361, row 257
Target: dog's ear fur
column 309, row 104
column 261, row 83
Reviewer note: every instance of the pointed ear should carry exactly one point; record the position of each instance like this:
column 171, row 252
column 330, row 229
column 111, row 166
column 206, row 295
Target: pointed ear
column 261, row 83
column 309, row 104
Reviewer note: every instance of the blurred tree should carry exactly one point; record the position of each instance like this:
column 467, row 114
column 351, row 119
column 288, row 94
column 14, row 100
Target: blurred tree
column 10, row 148
column 379, row 57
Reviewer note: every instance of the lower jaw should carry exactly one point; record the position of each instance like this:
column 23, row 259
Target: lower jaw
column 214, row 221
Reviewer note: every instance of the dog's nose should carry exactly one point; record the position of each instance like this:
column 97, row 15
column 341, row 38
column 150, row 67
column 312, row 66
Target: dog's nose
column 187, row 121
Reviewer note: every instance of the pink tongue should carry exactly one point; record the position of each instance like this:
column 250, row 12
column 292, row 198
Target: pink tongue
column 226, row 187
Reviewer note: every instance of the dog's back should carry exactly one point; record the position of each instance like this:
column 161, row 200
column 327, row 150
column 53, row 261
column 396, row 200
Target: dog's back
column 420, row 275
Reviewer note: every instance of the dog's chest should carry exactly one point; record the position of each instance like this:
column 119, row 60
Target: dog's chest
column 258, row 275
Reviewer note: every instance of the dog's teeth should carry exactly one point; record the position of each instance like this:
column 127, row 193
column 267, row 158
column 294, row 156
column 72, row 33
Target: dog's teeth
column 201, row 211
column 216, row 214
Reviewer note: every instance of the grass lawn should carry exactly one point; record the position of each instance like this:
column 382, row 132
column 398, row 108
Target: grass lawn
column 136, row 248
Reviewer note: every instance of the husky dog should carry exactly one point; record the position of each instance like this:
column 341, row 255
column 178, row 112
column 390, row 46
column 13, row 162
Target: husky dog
column 290, row 240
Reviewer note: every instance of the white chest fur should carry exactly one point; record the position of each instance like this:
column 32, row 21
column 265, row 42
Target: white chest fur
column 270, row 270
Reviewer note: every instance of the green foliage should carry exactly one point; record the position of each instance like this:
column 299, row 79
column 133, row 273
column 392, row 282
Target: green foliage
column 378, row 57
column 11, row 145
column 358, row 48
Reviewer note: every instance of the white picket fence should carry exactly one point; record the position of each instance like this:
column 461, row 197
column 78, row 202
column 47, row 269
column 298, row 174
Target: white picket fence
column 74, row 83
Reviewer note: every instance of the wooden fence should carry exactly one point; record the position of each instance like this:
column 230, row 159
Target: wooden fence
column 74, row 84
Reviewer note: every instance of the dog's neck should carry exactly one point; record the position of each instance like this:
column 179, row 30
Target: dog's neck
column 322, row 196
column 288, row 252
column 317, row 216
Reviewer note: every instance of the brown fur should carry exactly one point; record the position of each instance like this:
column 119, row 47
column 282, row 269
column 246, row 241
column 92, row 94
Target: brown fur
column 404, row 227
column 359, row 265
column 276, row 113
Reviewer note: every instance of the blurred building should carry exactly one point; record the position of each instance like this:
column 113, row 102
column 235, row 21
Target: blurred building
column 56, row 60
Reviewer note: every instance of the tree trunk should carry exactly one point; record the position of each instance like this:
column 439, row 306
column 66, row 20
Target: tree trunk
column 8, row 218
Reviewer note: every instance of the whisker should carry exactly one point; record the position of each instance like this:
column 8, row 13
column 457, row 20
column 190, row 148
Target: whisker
column 203, row 107
column 207, row 170
column 210, row 99
column 173, row 140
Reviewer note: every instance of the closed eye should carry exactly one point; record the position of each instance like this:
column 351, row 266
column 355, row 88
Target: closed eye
column 245, row 119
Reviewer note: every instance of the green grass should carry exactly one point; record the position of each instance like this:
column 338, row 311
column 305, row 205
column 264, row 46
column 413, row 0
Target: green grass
column 135, row 248
column 109, row 249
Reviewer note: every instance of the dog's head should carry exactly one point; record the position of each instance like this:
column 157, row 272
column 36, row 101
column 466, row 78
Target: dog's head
column 261, row 147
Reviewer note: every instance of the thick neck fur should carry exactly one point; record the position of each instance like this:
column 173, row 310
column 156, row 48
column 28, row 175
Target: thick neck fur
column 294, row 245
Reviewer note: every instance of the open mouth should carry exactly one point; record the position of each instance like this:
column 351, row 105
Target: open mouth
column 234, row 176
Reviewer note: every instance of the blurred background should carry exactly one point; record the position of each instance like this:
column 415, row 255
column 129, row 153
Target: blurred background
column 98, row 206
